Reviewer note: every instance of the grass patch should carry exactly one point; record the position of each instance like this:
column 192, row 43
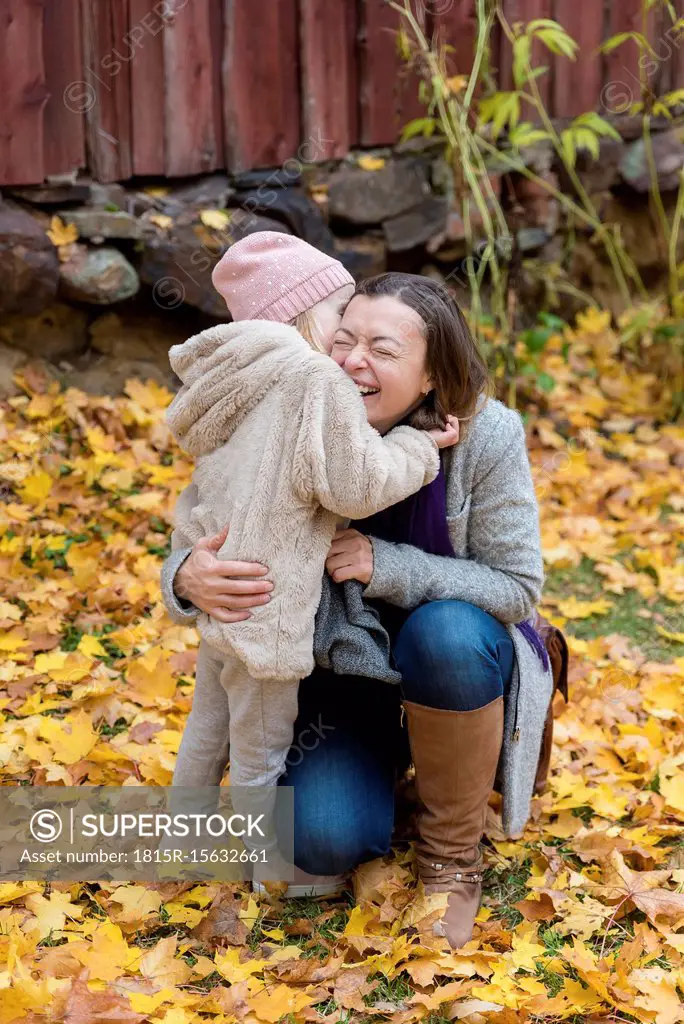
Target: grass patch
column 396, row 990
column 504, row 888
column 327, row 921
column 623, row 618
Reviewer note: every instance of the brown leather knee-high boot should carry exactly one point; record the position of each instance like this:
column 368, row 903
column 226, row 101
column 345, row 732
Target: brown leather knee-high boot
column 455, row 754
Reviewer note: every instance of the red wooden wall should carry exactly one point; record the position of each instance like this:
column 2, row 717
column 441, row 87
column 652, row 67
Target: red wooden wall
column 179, row 87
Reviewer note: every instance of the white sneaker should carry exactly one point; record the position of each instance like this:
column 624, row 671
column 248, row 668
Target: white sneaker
column 314, row 886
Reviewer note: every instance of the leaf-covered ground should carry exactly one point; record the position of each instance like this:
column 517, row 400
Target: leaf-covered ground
column 583, row 917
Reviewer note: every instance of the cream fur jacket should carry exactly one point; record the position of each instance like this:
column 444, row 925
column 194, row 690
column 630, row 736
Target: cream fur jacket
column 284, row 452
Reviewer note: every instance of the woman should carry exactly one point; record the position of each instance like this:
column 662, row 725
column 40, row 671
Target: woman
column 450, row 574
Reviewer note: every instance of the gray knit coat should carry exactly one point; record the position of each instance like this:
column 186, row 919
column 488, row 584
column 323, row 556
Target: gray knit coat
column 493, row 522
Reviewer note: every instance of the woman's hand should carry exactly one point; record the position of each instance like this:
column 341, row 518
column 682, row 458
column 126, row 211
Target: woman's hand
column 350, row 557
column 221, row 589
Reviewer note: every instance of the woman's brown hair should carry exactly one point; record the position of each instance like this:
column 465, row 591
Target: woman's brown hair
column 454, row 362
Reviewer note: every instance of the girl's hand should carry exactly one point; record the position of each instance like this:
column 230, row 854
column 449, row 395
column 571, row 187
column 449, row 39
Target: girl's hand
column 219, row 588
column 350, row 557
column 449, row 436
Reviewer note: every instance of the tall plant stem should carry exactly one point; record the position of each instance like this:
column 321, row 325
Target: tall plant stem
column 655, row 185
column 674, row 238
column 619, row 260
column 455, row 127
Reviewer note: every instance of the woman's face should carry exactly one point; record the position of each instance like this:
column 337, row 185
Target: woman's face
column 327, row 314
column 381, row 345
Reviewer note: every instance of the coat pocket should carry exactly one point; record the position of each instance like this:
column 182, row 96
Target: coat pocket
column 458, row 528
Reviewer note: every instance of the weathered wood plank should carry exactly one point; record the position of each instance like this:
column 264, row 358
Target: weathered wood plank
column 621, row 67
column 577, row 85
column 456, row 25
column 260, row 84
column 664, row 69
column 107, row 55
column 673, row 48
column 388, row 88
column 194, row 135
column 147, row 88
column 669, row 52
column 23, row 92
column 526, row 11
column 328, row 56
column 64, row 124
column 217, row 39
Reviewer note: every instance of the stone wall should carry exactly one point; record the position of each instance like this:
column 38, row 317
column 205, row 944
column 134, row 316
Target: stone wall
column 99, row 281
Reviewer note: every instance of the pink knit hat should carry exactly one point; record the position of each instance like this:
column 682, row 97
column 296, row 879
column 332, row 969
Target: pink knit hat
column 272, row 276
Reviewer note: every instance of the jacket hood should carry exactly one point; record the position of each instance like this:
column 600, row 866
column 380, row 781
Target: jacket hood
column 225, row 371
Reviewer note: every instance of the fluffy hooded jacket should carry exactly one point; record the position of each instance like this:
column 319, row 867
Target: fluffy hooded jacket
column 284, row 452
column 493, row 524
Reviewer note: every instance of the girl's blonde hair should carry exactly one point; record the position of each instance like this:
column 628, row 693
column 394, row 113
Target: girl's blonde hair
column 306, row 324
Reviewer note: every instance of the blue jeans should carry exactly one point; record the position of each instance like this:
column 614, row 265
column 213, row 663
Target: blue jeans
column 349, row 743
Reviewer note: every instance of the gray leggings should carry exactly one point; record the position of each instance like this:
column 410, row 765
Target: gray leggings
column 250, row 720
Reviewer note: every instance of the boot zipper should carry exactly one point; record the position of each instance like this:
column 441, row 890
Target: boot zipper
column 402, row 715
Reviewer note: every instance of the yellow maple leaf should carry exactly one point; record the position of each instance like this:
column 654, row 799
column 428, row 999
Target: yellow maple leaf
column 572, row 608
column 40, row 406
column 141, row 1002
column 180, row 913
column 234, row 967
column 218, row 220
column 371, row 163
column 271, row 1005
column 148, row 394
column 582, row 919
column 660, row 995
column 147, row 501
column 60, row 233
column 51, row 913
column 250, row 913
column 593, row 320
column 161, row 220
column 160, row 965
column 64, row 666
column 108, row 955
column 13, row 640
column 15, row 890
column 34, row 704
column 442, row 994
column 71, row 737
column 137, row 904
column 117, row 479
column 84, row 562
column 150, row 677
column 359, row 918
column 10, row 611
column 36, row 488
column 671, row 787
column 91, row 647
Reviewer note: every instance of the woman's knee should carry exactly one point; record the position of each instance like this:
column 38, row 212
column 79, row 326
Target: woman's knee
column 453, row 655
column 334, row 846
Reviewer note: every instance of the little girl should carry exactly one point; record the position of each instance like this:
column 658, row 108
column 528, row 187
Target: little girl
column 284, row 453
